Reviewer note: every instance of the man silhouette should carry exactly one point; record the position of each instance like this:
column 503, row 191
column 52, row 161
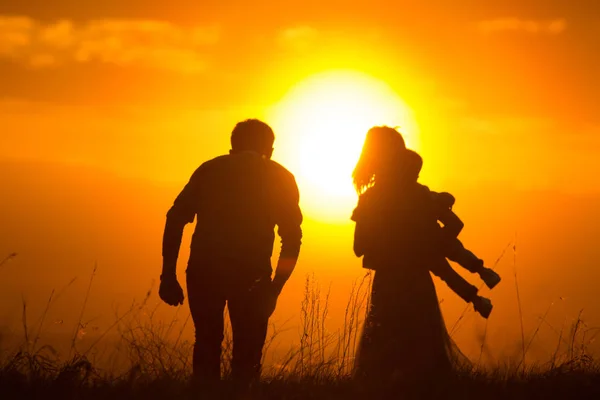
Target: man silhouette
column 237, row 200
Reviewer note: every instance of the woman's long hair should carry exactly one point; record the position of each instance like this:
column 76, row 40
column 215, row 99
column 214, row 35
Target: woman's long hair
column 380, row 151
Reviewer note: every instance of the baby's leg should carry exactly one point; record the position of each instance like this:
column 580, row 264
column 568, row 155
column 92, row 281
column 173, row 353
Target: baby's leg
column 456, row 252
column 455, row 282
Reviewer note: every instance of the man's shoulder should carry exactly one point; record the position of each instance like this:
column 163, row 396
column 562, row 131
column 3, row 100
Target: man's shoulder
column 278, row 167
column 218, row 164
column 280, row 171
column 208, row 167
column 215, row 161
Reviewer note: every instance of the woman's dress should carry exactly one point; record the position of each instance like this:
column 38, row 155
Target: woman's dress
column 404, row 335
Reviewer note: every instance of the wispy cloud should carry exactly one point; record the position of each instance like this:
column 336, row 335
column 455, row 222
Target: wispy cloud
column 15, row 34
column 146, row 43
column 544, row 27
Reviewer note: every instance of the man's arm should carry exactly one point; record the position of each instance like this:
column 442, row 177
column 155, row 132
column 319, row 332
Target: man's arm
column 289, row 221
column 181, row 213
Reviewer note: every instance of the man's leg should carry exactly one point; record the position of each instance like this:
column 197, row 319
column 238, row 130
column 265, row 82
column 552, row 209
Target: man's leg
column 207, row 303
column 249, row 323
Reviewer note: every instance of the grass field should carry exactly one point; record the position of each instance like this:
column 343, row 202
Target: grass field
column 152, row 360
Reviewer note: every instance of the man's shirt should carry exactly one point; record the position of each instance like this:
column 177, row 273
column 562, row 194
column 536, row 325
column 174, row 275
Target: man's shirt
column 237, row 200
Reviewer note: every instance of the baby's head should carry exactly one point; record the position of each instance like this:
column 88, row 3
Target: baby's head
column 411, row 165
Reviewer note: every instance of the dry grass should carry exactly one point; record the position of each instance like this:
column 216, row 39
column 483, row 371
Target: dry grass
column 155, row 361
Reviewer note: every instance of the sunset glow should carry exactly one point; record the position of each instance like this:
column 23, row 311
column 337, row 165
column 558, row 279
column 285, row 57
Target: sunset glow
column 323, row 121
column 108, row 108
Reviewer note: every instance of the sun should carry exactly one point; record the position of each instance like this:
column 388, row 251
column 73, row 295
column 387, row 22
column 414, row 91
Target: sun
column 321, row 124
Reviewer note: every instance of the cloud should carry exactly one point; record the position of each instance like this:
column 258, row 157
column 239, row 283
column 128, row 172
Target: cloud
column 145, row 43
column 15, row 34
column 544, row 27
column 60, row 35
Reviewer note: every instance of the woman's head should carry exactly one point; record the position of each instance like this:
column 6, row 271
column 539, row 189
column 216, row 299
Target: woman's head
column 381, row 150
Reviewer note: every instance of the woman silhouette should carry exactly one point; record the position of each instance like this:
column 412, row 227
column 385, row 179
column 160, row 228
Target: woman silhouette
column 404, row 337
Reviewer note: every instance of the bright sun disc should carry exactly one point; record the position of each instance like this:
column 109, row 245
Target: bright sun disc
column 321, row 124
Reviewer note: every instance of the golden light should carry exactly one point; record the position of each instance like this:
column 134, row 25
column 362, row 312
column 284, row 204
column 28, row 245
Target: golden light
column 321, row 124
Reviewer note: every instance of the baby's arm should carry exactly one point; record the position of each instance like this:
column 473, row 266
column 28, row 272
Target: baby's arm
column 452, row 223
column 443, row 199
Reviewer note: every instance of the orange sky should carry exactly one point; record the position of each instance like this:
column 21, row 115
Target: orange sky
column 503, row 95
column 132, row 87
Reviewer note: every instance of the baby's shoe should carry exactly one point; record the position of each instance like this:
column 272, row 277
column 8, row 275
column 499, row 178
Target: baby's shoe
column 489, row 277
column 483, row 306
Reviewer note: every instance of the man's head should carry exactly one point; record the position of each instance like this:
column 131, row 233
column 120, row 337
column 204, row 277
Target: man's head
column 253, row 135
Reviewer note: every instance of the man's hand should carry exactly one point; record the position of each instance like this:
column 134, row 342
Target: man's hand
column 170, row 291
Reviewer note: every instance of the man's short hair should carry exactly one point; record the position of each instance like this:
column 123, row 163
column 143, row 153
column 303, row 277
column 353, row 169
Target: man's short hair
column 252, row 135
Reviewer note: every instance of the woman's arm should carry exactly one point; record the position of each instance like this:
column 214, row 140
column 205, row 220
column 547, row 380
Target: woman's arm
column 361, row 231
column 359, row 240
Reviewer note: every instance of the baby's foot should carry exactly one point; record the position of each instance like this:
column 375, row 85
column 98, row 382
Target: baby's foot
column 483, row 306
column 489, row 277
